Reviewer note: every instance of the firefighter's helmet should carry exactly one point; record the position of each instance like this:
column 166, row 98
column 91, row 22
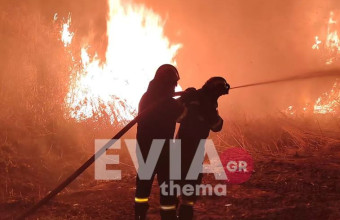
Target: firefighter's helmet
column 167, row 74
column 217, row 86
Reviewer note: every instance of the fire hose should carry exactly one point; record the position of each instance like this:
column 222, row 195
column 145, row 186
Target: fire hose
column 91, row 160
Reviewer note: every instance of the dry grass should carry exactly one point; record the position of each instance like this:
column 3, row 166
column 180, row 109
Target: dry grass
column 280, row 134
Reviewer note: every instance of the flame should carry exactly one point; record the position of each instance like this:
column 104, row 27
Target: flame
column 290, row 110
column 66, row 35
column 329, row 102
column 55, row 17
column 332, row 41
column 136, row 47
column 317, row 43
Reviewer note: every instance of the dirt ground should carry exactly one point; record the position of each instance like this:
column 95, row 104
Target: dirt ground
column 289, row 186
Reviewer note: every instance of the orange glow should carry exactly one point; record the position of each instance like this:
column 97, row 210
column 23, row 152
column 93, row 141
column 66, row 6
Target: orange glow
column 136, row 47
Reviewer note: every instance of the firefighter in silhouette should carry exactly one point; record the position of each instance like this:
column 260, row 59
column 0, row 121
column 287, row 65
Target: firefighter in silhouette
column 160, row 124
column 201, row 117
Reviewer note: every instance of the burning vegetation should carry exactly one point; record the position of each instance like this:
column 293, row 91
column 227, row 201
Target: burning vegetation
column 328, row 102
column 114, row 87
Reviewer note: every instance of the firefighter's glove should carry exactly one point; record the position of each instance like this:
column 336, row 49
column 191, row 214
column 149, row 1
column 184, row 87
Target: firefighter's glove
column 189, row 95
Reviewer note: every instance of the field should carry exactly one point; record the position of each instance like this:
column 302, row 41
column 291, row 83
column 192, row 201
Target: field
column 296, row 176
column 70, row 73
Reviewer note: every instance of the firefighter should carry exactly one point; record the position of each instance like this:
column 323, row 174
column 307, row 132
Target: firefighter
column 160, row 124
column 201, row 117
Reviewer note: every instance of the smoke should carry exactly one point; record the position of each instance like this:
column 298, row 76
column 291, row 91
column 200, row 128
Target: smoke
column 250, row 41
column 34, row 65
column 243, row 41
